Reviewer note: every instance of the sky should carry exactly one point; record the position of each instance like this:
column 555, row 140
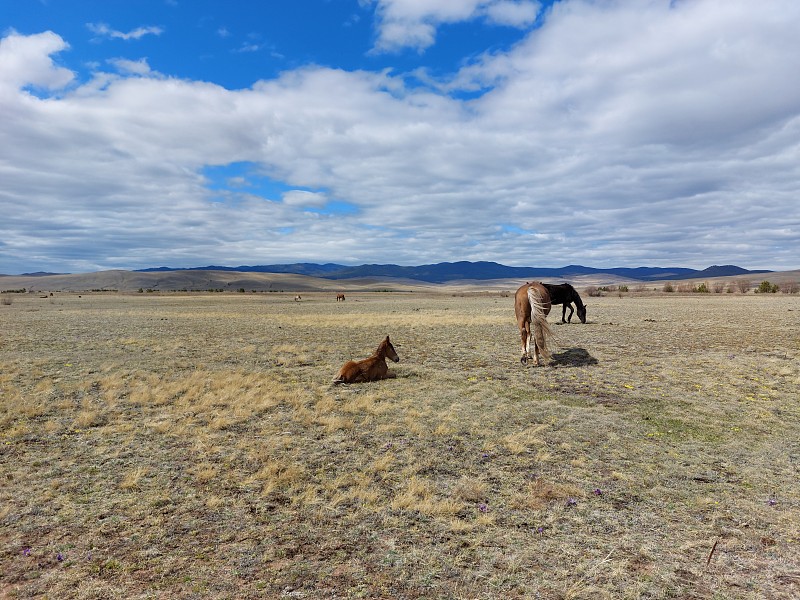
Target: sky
column 607, row 133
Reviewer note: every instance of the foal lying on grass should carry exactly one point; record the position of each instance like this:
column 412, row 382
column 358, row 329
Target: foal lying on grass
column 369, row 369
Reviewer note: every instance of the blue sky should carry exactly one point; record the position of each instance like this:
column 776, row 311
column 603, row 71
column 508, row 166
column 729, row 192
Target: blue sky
column 169, row 132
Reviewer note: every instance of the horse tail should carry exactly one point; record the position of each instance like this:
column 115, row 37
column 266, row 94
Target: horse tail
column 543, row 334
column 540, row 327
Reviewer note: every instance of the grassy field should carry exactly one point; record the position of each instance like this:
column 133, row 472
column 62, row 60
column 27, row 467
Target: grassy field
column 192, row 446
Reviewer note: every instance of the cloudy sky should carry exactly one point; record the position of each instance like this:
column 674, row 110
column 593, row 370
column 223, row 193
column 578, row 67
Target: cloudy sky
column 531, row 133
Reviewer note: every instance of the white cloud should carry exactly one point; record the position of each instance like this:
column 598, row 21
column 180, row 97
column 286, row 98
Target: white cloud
column 102, row 30
column 132, row 67
column 25, row 60
column 304, row 198
column 514, row 14
column 614, row 134
column 413, row 23
column 248, row 47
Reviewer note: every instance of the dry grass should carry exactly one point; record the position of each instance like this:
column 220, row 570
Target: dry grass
column 193, row 447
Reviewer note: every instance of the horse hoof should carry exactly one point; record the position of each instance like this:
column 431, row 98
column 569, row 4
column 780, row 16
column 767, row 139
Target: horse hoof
column 524, row 360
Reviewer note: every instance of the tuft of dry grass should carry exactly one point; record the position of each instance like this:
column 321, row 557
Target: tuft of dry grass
column 132, row 479
column 193, row 446
column 471, row 490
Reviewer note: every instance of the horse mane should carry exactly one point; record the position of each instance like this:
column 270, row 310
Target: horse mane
column 575, row 297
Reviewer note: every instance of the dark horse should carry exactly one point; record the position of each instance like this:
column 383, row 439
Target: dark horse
column 565, row 294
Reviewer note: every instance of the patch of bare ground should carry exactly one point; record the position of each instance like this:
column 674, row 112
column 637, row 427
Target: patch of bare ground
column 194, row 447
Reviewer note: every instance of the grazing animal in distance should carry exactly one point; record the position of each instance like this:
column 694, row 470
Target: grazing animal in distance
column 340, row 297
column 531, row 306
column 297, row 298
column 369, row 369
column 565, row 294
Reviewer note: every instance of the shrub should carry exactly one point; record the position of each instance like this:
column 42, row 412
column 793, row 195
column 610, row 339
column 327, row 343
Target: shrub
column 718, row 287
column 742, row 285
column 7, row 300
column 765, row 287
column 593, row 291
column 668, row 287
column 790, row 287
column 623, row 288
column 702, row 288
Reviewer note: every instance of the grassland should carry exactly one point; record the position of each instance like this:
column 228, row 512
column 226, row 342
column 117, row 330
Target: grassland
column 192, row 446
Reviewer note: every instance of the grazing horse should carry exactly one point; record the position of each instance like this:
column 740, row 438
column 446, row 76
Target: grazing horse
column 369, row 369
column 297, row 298
column 340, row 297
column 565, row 294
column 532, row 305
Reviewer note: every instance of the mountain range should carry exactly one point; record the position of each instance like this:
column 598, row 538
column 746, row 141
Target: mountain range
column 464, row 270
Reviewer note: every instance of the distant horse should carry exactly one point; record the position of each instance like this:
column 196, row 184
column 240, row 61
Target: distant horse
column 532, row 305
column 297, row 298
column 340, row 297
column 369, row 369
column 564, row 293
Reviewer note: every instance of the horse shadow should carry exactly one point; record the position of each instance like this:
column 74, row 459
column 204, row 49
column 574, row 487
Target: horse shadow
column 573, row 357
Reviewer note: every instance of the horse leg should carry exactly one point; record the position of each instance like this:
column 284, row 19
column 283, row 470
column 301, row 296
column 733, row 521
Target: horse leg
column 564, row 312
column 527, row 341
column 525, row 335
column 571, row 311
column 535, row 337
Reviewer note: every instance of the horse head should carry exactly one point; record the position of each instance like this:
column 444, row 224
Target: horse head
column 387, row 350
column 582, row 313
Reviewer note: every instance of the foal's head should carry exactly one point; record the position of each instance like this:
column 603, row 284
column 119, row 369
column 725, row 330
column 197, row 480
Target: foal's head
column 387, row 350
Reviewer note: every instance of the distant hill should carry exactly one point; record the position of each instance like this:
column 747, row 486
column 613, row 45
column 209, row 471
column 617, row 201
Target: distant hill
column 36, row 274
column 476, row 271
column 344, row 279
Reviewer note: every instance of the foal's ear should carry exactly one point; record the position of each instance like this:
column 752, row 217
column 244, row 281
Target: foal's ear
column 387, row 339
